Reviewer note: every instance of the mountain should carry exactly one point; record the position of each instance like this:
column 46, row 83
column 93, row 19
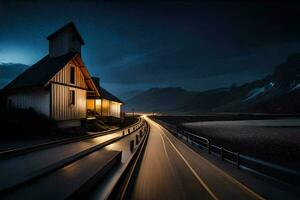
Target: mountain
column 159, row 100
column 8, row 71
column 286, row 78
column 130, row 94
column 278, row 92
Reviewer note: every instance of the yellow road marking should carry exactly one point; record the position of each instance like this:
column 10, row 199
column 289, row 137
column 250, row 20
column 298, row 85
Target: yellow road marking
column 192, row 170
column 233, row 180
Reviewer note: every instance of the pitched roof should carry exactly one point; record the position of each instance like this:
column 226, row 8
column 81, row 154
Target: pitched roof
column 41, row 72
column 104, row 94
column 107, row 95
column 68, row 25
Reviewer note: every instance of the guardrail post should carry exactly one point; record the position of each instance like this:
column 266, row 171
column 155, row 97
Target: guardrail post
column 136, row 139
column 123, row 133
column 131, row 145
column 222, row 153
column 208, row 147
column 128, row 130
column 238, row 160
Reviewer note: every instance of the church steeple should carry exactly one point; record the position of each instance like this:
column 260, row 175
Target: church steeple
column 64, row 40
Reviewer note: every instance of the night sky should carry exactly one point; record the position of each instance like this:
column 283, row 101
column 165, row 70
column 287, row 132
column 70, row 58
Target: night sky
column 136, row 45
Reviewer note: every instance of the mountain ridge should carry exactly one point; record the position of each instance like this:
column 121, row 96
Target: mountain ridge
column 278, row 92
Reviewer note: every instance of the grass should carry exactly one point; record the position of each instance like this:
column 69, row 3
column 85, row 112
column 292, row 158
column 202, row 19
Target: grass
column 24, row 123
column 25, row 127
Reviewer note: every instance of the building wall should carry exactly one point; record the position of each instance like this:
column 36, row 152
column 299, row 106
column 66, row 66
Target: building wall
column 61, row 103
column 63, row 76
column 115, row 109
column 105, row 107
column 94, row 105
column 60, row 98
column 63, row 43
column 109, row 108
column 98, row 106
column 38, row 99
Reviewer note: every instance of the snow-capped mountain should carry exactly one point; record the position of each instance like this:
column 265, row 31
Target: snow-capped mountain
column 279, row 92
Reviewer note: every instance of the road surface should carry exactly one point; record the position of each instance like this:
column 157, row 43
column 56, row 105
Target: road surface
column 171, row 170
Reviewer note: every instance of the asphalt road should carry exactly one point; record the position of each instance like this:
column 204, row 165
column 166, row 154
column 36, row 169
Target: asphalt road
column 171, row 170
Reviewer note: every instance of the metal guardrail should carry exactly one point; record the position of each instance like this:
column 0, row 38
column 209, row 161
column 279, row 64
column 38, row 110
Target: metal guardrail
column 257, row 166
column 225, row 154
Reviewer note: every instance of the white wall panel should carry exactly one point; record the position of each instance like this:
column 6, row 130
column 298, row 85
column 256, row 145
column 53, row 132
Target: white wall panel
column 61, row 107
column 38, row 99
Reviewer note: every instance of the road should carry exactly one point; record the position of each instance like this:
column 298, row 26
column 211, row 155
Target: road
column 171, row 170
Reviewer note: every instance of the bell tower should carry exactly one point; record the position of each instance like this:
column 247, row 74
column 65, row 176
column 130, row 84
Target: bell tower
column 64, row 40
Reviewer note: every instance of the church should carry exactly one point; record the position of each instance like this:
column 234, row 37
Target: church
column 60, row 86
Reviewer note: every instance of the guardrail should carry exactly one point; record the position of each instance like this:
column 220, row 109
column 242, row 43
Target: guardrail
column 124, row 185
column 225, row 154
column 255, row 165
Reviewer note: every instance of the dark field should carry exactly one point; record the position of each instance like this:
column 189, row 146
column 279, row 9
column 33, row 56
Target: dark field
column 275, row 140
column 24, row 127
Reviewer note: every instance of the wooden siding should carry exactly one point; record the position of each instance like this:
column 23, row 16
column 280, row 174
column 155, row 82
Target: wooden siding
column 63, row 76
column 38, row 99
column 105, row 107
column 64, row 43
column 61, row 107
column 98, row 106
column 115, row 109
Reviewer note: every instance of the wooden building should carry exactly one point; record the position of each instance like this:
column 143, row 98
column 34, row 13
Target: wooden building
column 57, row 85
column 106, row 105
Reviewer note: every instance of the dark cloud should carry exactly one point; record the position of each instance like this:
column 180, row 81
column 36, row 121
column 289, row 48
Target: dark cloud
column 143, row 44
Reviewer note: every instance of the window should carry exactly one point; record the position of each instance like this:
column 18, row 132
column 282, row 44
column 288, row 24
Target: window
column 72, row 97
column 72, row 75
